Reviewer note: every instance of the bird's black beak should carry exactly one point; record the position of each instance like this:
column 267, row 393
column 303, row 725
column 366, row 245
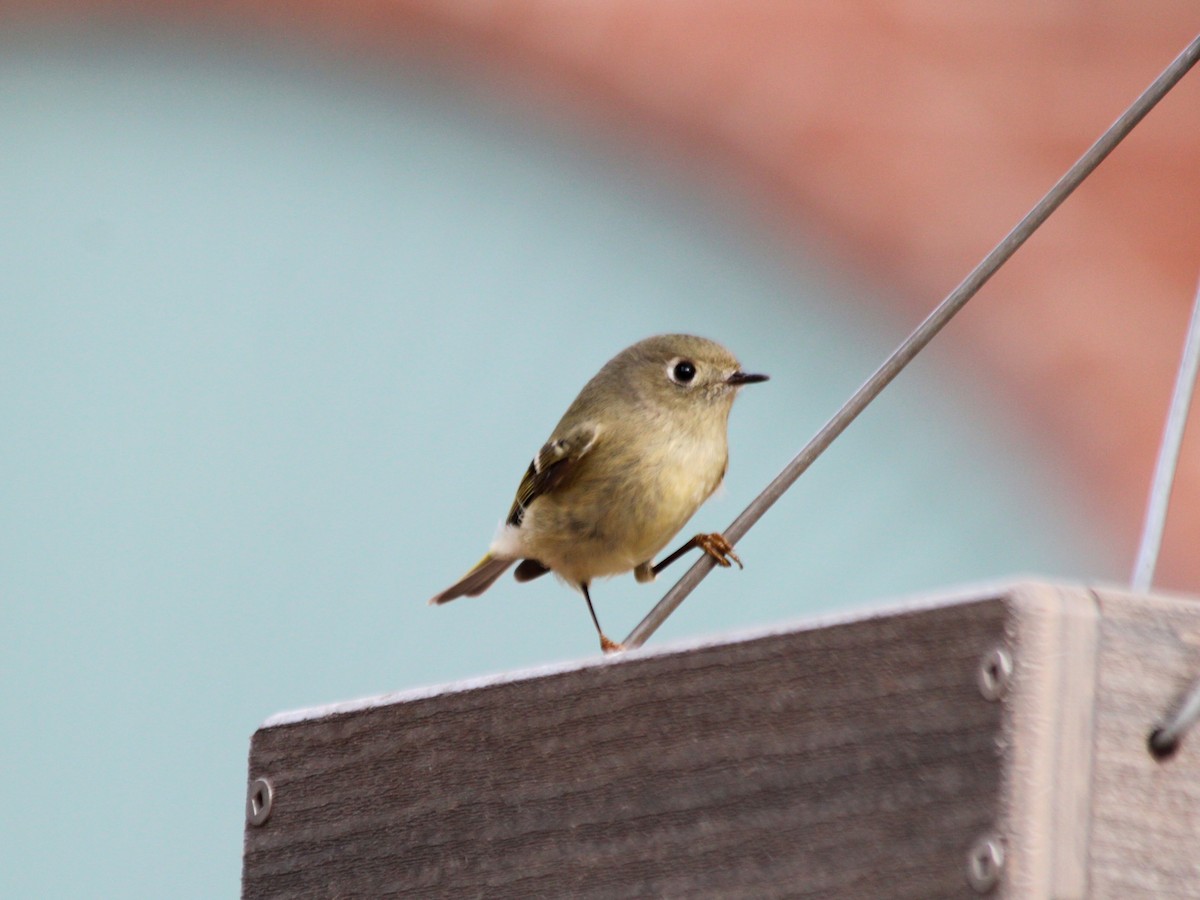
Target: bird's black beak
column 738, row 378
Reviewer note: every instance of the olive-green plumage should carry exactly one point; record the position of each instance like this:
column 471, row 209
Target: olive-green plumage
column 633, row 457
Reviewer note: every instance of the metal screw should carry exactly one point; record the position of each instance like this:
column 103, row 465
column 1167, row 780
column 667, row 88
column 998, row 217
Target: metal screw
column 259, row 799
column 985, row 863
column 995, row 671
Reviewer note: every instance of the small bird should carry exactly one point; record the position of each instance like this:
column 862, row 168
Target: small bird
column 634, row 456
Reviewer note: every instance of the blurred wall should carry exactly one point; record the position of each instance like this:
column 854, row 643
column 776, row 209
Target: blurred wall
column 910, row 136
column 270, row 375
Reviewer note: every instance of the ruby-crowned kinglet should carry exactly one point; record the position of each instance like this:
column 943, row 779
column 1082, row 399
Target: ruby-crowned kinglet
column 643, row 445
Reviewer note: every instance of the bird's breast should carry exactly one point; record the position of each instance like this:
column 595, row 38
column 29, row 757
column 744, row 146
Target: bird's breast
column 686, row 474
column 616, row 516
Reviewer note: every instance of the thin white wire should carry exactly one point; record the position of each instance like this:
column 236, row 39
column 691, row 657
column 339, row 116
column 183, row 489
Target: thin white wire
column 1166, row 738
column 1168, row 458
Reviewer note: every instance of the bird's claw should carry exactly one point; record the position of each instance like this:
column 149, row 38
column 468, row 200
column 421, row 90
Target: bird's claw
column 610, row 646
column 716, row 546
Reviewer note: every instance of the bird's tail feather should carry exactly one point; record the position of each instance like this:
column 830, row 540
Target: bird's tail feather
column 475, row 582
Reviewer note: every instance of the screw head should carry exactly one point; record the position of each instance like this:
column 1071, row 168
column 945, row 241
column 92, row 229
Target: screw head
column 995, row 672
column 985, row 863
column 259, row 798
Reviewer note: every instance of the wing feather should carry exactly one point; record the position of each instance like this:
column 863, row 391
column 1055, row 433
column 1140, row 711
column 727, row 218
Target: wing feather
column 552, row 466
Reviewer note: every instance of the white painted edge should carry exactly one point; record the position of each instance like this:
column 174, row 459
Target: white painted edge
column 899, row 606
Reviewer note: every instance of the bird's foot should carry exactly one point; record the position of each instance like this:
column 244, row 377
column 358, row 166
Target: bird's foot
column 718, row 548
column 608, row 645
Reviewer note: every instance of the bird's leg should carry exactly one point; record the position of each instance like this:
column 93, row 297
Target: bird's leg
column 606, row 644
column 713, row 544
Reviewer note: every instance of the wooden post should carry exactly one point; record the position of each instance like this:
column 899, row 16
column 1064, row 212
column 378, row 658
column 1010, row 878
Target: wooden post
column 990, row 745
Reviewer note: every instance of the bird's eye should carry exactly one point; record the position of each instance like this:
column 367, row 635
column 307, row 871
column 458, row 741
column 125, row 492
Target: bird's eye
column 683, row 371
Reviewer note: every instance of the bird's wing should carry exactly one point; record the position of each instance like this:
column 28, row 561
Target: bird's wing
column 557, row 459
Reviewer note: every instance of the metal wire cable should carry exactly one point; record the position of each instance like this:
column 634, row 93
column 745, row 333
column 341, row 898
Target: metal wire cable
column 1165, row 739
column 924, row 333
column 1168, row 457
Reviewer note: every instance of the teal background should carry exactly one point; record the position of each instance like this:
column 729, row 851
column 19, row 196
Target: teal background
column 277, row 339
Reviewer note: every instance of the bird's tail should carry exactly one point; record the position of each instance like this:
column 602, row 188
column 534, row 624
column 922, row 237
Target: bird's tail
column 475, row 582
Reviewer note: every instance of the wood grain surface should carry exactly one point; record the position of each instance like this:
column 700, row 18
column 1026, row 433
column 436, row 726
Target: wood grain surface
column 858, row 759
column 1145, row 836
